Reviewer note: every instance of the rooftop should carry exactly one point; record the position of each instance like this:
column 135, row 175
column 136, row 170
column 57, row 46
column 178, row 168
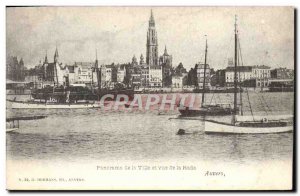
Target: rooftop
column 261, row 67
column 240, row 69
column 71, row 68
column 85, row 65
column 155, row 67
column 201, row 66
column 110, row 66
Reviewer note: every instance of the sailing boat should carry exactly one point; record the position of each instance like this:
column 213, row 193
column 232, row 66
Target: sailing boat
column 207, row 109
column 246, row 124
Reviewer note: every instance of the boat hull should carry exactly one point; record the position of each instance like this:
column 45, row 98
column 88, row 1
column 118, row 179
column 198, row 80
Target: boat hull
column 84, row 94
column 223, row 128
column 206, row 111
column 192, row 112
column 30, row 105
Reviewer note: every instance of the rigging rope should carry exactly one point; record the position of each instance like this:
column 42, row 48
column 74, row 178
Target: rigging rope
column 211, row 98
column 240, row 83
column 262, row 99
column 210, row 78
column 250, row 107
column 269, row 108
column 226, row 56
column 262, row 103
column 218, row 96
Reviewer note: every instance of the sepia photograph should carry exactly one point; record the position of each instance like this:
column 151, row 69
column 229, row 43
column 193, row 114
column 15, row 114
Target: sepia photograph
column 150, row 98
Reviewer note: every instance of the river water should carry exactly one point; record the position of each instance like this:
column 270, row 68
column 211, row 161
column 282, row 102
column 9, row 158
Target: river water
column 94, row 134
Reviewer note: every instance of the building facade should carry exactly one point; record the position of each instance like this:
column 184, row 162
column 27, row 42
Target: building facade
column 155, row 77
column 200, row 75
column 251, row 76
column 145, row 76
column 121, row 73
column 178, row 81
column 83, row 73
column 261, row 71
column 54, row 72
column 243, row 73
column 282, row 73
column 165, row 61
column 261, row 74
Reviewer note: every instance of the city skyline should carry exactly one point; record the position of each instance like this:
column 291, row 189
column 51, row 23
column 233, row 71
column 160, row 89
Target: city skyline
column 120, row 33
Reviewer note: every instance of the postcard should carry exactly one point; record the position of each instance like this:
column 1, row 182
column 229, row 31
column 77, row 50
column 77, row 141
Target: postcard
column 150, row 98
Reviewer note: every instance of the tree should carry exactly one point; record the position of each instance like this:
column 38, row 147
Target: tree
column 184, row 81
column 192, row 77
column 179, row 70
column 195, row 78
column 168, row 80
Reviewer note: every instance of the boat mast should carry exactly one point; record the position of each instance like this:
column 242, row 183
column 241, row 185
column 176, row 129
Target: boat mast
column 93, row 70
column 235, row 67
column 204, row 76
column 240, row 82
column 98, row 74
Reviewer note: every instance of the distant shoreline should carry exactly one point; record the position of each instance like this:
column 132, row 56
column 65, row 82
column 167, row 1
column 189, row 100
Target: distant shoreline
column 160, row 91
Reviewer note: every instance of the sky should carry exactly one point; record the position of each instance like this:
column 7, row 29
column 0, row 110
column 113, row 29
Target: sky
column 266, row 34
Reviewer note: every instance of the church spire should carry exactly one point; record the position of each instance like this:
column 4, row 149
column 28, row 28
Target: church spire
column 21, row 62
column 96, row 55
column 142, row 59
column 166, row 52
column 134, row 60
column 56, row 56
column 151, row 20
column 46, row 58
column 96, row 62
column 151, row 17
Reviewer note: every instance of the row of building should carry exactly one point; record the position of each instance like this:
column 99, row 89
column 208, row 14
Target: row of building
column 259, row 76
column 140, row 74
column 152, row 72
column 77, row 74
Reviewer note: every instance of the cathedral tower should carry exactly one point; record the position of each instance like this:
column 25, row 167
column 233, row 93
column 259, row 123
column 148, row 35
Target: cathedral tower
column 152, row 52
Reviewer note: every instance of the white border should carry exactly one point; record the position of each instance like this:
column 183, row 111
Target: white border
column 5, row 3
